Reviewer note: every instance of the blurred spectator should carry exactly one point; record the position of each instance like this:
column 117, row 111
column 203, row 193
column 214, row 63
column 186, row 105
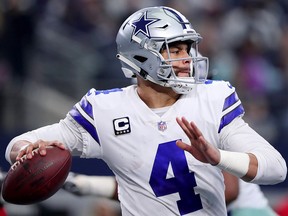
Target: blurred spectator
column 73, row 38
column 16, row 40
column 17, row 35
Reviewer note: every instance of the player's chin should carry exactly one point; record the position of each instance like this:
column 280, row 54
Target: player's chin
column 183, row 74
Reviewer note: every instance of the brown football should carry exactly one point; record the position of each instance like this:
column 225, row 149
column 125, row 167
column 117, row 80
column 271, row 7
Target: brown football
column 37, row 179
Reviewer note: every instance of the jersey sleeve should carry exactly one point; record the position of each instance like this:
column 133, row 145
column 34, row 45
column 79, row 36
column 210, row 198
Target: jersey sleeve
column 83, row 114
column 90, row 115
column 64, row 131
column 77, row 131
column 231, row 107
column 83, row 117
column 238, row 136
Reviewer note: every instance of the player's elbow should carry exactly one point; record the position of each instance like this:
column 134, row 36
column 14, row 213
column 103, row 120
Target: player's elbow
column 271, row 172
column 281, row 172
column 282, row 175
column 278, row 178
column 278, row 175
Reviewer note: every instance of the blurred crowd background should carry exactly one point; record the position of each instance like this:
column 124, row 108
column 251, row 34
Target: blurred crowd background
column 53, row 51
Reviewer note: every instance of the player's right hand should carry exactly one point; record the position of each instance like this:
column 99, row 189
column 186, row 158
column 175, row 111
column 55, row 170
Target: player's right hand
column 41, row 145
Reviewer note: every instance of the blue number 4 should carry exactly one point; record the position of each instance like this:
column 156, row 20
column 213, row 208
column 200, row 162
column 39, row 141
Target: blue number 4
column 182, row 182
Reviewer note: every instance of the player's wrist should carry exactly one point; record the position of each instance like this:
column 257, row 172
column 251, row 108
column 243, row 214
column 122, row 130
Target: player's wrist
column 236, row 163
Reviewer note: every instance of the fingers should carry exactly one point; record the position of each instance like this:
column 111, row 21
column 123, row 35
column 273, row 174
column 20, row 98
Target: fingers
column 194, row 134
column 199, row 147
column 186, row 126
column 183, row 145
column 40, row 145
column 196, row 130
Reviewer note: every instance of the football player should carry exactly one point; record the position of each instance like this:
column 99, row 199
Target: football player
column 86, row 185
column 168, row 137
column 242, row 198
column 249, row 200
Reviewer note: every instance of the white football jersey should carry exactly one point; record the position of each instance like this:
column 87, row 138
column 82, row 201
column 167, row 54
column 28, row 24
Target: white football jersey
column 250, row 196
column 155, row 177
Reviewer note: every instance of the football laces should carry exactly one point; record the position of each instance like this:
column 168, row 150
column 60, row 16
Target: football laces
column 23, row 158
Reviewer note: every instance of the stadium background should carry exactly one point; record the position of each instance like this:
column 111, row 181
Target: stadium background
column 52, row 52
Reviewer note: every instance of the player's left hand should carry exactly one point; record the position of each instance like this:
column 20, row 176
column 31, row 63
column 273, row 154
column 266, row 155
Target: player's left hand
column 200, row 148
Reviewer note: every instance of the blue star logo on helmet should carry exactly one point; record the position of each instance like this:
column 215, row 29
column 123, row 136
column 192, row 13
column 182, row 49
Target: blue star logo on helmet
column 142, row 24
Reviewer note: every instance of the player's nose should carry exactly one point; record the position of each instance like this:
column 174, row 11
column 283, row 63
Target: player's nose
column 186, row 58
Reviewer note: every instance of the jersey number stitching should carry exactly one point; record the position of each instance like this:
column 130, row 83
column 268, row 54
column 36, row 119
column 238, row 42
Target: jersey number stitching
column 182, row 180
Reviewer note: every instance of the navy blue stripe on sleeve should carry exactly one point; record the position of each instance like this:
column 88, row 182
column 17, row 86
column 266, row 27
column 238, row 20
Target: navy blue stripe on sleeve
column 226, row 119
column 232, row 108
column 82, row 120
column 230, row 100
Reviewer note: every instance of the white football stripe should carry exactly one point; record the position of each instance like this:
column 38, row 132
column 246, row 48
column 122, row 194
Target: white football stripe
column 229, row 109
column 84, row 114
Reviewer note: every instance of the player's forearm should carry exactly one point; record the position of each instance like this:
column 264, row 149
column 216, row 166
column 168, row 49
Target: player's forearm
column 239, row 164
column 255, row 167
column 252, row 169
column 266, row 165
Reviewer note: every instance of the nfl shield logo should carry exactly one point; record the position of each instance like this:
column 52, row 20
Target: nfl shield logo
column 162, row 126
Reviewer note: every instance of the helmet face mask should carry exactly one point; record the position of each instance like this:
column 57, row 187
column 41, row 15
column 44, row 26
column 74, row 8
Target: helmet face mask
column 143, row 36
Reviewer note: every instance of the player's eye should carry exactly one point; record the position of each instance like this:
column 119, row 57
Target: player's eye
column 174, row 51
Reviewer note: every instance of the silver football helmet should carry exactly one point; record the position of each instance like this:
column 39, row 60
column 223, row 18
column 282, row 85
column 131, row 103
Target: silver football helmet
column 199, row 64
column 141, row 38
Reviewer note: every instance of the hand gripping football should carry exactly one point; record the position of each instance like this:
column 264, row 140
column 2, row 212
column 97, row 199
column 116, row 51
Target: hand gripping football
column 34, row 180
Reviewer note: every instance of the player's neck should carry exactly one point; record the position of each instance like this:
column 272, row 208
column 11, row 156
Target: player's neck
column 155, row 96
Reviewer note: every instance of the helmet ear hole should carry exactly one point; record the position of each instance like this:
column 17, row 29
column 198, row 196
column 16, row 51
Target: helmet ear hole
column 141, row 59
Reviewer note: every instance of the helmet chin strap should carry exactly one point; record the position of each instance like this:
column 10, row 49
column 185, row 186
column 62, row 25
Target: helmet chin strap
column 178, row 87
column 181, row 88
